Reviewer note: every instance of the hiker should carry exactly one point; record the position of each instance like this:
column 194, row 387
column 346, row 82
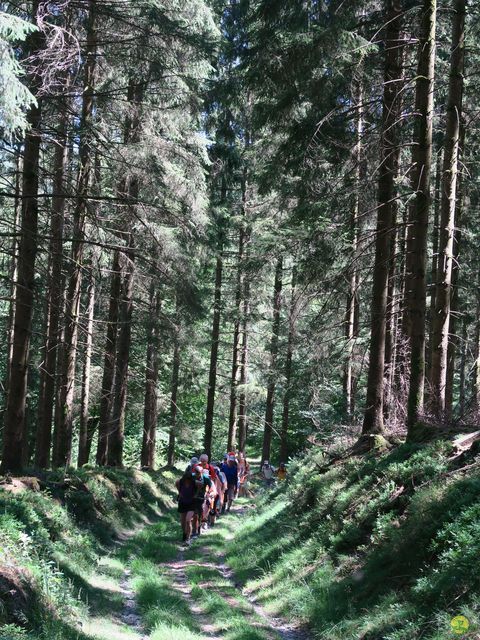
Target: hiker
column 209, row 501
column 203, row 485
column 191, row 465
column 186, row 505
column 231, row 473
column 220, row 483
column 268, row 472
column 241, row 465
column 243, row 490
column 208, row 467
column 282, row 472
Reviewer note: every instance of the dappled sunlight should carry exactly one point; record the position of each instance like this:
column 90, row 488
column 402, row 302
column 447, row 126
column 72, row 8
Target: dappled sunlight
column 104, row 629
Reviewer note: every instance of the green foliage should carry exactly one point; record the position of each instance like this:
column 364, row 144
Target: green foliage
column 12, row 632
column 15, row 97
column 56, row 539
column 384, row 547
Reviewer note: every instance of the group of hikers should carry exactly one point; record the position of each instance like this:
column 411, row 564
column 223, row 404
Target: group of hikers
column 206, row 490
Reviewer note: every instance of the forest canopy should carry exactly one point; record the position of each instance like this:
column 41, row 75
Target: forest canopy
column 241, row 224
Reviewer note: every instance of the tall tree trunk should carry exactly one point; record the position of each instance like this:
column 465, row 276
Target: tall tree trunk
column 215, row 339
column 215, row 334
column 14, row 424
column 106, row 399
column 373, row 419
column 390, row 322
column 55, row 297
column 85, row 424
column 150, row 414
column 13, row 271
column 422, row 157
column 435, row 249
column 288, row 370
column 399, row 378
column 232, row 419
column 65, row 431
column 118, row 338
column 463, row 368
column 270, row 404
column 455, row 306
column 476, row 368
column 351, row 320
column 116, row 436
column 172, row 436
column 443, row 287
column 58, row 377
column 242, row 397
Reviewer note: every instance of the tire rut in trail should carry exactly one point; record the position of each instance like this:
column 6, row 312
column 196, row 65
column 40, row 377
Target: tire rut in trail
column 130, row 614
column 180, row 584
column 284, row 630
column 278, row 627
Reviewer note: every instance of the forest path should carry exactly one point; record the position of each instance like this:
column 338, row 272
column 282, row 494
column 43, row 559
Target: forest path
column 220, row 607
column 151, row 587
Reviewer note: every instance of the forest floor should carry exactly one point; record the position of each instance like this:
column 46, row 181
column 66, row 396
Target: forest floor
column 159, row 589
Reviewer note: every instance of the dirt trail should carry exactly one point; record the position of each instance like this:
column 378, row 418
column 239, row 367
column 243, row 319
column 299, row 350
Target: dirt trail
column 277, row 628
column 180, row 583
column 130, row 615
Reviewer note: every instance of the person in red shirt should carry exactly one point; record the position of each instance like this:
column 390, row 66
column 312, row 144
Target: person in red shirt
column 207, row 466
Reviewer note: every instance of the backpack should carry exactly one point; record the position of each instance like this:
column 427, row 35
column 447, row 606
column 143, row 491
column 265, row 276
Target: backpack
column 186, row 492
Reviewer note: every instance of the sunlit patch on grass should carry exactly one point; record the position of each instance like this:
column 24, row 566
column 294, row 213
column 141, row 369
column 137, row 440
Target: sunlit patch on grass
column 111, row 566
column 164, row 631
column 104, row 629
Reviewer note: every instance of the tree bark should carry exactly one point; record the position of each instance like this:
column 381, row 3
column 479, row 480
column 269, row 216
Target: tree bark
column 455, row 307
column 55, row 298
column 116, row 435
column 13, row 271
column 174, row 399
column 83, row 449
column 288, row 370
column 150, row 414
column 435, row 250
column 105, row 417
column 271, row 384
column 242, row 398
column 390, row 322
column 422, row 157
column 215, row 339
column 232, row 419
column 351, row 312
column 463, row 367
column 65, row 431
column 118, row 339
column 14, row 425
column 373, row 418
column 476, row 368
column 441, row 318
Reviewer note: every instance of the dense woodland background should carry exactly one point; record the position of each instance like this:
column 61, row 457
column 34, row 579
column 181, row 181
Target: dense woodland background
column 243, row 224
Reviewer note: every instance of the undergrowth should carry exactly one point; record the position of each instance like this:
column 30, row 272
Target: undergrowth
column 380, row 547
column 57, row 546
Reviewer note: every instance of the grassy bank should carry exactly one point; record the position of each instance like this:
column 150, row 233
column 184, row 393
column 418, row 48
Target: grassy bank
column 378, row 547
column 60, row 566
